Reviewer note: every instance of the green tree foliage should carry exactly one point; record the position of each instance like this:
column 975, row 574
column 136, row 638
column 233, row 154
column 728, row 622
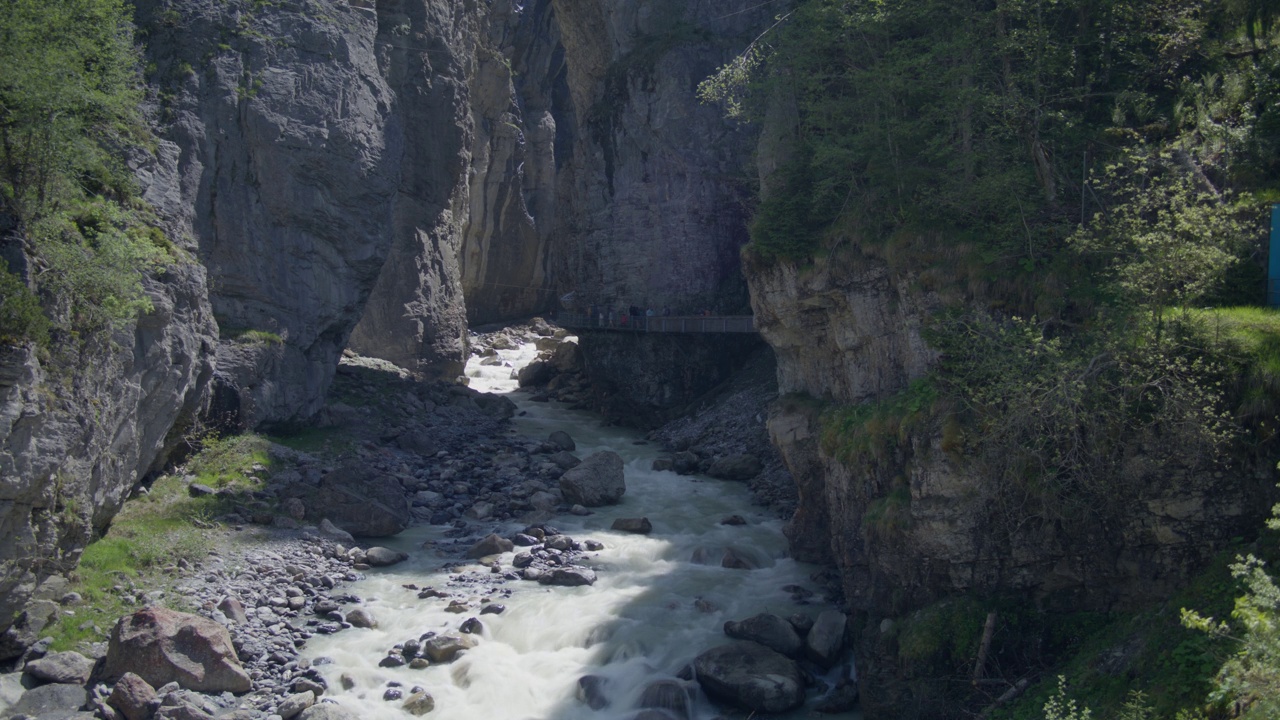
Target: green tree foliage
column 69, row 96
column 1250, row 678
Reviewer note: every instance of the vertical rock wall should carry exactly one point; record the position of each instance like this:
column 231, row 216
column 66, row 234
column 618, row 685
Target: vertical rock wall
column 77, row 432
column 289, row 151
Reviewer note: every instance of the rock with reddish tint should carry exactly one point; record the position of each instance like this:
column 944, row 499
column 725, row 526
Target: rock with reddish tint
column 134, row 698
column 162, row 646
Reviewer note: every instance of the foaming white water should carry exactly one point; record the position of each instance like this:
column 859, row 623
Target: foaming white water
column 651, row 611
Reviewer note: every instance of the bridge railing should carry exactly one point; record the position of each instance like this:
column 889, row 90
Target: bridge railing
column 658, row 323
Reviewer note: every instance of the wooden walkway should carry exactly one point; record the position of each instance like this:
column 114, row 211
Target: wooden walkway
column 677, row 324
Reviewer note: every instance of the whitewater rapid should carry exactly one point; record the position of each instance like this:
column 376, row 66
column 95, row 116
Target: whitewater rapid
column 652, row 610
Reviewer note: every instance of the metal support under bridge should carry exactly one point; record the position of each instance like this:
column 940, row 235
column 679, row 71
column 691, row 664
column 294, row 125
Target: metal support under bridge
column 656, row 323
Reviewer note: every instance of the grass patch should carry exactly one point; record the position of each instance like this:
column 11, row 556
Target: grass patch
column 153, row 534
column 230, row 461
column 875, row 430
column 1249, row 339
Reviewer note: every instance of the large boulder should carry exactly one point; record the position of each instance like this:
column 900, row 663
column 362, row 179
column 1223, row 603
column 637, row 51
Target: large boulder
column 750, row 676
column 597, row 481
column 826, row 638
column 358, row 499
column 535, row 373
column 735, row 467
column 162, row 646
column 769, row 630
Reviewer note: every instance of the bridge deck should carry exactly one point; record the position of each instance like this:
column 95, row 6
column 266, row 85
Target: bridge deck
column 680, row 324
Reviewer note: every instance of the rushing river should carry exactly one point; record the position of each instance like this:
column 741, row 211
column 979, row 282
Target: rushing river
column 652, row 610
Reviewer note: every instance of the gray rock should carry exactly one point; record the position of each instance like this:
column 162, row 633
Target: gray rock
column 741, row 467
column 327, row 711
column 572, row 576
column 445, row 648
column 384, row 557
column 419, row 703
column 161, row 646
column 597, row 481
column 54, row 701
column 11, row 690
column 736, row 560
column 134, row 697
column 663, row 464
column 565, row 460
column 563, row 441
column 291, row 706
column 769, row 630
column 640, row 526
column 361, row 618
column 826, row 638
column 234, row 610
column 198, row 490
column 63, row 667
column 491, row 544
column 536, row 373
column 750, row 676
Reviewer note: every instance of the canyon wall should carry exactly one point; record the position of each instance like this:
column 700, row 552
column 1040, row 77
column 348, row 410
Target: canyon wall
column 80, row 427
column 918, row 521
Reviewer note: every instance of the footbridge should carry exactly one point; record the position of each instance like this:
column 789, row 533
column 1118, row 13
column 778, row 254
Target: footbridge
column 659, row 323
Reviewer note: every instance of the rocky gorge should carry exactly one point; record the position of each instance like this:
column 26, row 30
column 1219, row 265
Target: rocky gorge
column 351, row 186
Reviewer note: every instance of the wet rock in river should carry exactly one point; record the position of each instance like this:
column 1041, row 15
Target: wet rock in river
column 597, row 481
column 826, row 638
column 769, row 630
column 639, row 526
column 750, row 676
column 490, row 545
column 383, row 557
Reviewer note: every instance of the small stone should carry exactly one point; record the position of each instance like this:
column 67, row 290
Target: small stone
column 392, row 694
column 361, row 618
column 472, row 626
column 419, row 703
column 493, row 609
column 291, row 706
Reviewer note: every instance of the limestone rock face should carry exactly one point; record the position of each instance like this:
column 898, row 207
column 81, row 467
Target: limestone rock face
column 61, row 477
column 161, row 646
column 287, row 163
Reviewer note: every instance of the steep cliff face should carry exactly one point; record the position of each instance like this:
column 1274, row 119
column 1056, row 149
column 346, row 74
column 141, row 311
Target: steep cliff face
column 652, row 196
column 919, row 520
column 77, row 432
column 289, row 152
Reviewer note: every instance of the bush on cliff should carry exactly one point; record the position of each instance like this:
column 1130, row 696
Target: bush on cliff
column 69, row 111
